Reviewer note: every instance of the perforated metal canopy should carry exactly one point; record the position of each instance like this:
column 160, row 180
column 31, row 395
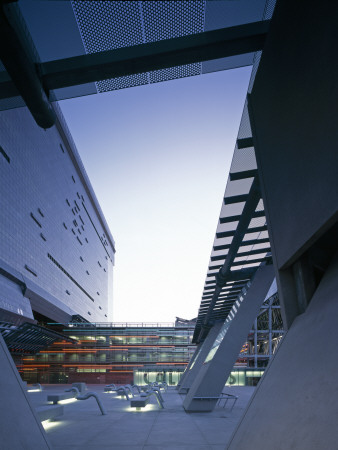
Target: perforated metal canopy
column 57, row 30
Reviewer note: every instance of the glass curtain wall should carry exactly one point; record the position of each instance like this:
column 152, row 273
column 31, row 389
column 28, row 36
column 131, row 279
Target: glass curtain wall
column 110, row 353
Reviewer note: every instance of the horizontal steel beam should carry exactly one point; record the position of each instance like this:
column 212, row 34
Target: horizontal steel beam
column 224, row 234
column 230, row 219
column 244, row 243
column 155, row 55
column 249, row 253
column 244, row 143
column 242, row 175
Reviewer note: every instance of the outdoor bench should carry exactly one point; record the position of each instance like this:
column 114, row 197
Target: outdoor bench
column 48, row 412
column 55, row 398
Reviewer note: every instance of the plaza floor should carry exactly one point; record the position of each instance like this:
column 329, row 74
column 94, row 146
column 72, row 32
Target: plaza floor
column 83, row 427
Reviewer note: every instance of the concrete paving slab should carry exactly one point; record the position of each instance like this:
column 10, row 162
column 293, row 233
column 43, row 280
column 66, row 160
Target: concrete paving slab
column 83, row 427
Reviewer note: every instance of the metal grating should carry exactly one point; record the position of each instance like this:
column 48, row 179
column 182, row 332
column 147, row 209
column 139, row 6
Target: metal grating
column 29, row 339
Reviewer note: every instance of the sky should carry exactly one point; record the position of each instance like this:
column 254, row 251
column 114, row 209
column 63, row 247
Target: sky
column 158, row 157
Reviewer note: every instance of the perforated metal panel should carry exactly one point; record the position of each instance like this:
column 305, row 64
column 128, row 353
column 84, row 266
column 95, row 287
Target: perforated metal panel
column 111, row 25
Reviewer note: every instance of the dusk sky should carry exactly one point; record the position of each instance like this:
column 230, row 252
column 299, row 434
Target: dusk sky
column 158, row 157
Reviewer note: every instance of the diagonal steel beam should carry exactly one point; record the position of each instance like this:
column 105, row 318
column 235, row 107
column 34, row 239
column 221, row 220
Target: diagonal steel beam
column 222, row 276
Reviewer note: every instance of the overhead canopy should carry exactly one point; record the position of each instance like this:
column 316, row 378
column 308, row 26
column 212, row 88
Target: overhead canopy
column 29, row 338
column 54, row 31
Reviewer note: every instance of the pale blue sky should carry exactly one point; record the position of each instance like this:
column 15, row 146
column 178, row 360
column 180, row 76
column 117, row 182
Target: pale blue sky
column 158, row 157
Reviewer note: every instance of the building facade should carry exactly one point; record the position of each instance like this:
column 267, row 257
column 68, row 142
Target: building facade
column 113, row 353
column 57, row 253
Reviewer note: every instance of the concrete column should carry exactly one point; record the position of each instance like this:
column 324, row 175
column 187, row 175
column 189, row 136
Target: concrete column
column 213, row 375
column 255, row 343
column 196, row 365
column 20, row 429
column 192, row 359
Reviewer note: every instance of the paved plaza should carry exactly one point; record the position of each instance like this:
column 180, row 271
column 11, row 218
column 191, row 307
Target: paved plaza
column 83, row 427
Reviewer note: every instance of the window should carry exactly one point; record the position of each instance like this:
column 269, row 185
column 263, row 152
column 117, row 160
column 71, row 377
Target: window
column 69, row 276
column 81, row 258
column 73, row 178
column 43, row 237
column 4, row 154
column 73, row 231
column 65, row 226
column 67, row 201
column 30, row 270
column 77, row 237
column 62, row 149
column 67, row 292
column 35, row 220
column 40, row 212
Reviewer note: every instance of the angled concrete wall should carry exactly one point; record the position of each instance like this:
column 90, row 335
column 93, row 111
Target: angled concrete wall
column 203, row 350
column 293, row 113
column 295, row 404
column 213, row 375
column 20, row 429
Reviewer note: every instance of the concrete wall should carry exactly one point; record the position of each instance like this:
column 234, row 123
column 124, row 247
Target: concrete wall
column 293, row 115
column 295, row 404
column 19, row 427
column 293, row 112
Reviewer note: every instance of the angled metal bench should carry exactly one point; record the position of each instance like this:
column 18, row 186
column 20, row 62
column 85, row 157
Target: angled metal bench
column 144, row 398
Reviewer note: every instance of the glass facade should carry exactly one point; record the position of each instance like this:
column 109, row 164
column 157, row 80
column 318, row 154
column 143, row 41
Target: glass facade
column 113, row 353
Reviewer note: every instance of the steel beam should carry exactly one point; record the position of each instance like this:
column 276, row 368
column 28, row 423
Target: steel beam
column 250, row 206
column 21, row 69
column 155, row 55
